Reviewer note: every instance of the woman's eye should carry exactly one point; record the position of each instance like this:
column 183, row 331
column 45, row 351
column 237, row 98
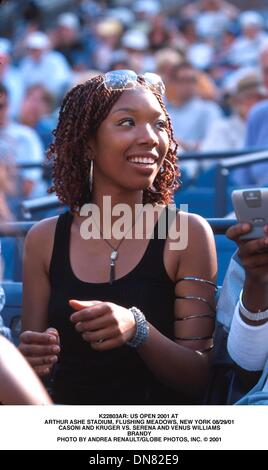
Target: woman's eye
column 161, row 124
column 126, row 122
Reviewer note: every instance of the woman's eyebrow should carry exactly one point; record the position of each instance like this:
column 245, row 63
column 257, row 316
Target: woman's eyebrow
column 135, row 110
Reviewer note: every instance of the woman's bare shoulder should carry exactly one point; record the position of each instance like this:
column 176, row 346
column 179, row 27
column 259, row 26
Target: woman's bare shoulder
column 192, row 226
column 40, row 239
column 197, row 224
column 39, row 242
column 44, row 229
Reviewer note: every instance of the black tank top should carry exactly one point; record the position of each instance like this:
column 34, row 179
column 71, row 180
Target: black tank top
column 117, row 376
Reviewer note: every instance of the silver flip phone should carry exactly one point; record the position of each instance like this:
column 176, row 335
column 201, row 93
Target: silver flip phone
column 251, row 205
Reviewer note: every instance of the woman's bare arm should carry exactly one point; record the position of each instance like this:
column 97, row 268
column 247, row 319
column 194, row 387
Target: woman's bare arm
column 178, row 362
column 18, row 383
column 36, row 289
column 37, row 343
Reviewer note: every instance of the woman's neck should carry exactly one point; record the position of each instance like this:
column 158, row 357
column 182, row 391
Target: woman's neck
column 112, row 201
column 107, row 210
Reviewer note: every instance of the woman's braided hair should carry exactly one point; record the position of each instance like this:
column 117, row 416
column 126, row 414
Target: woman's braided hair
column 82, row 111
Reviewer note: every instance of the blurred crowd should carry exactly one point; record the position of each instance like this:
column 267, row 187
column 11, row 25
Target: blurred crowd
column 212, row 56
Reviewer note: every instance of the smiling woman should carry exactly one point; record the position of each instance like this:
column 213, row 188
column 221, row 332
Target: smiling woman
column 130, row 317
column 91, row 103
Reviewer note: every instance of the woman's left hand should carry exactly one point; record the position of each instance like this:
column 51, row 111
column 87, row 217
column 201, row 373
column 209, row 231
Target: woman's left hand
column 103, row 324
column 252, row 253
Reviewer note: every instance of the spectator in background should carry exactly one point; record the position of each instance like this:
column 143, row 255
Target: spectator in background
column 10, row 77
column 256, row 137
column 257, row 130
column 165, row 60
column 44, row 66
column 221, row 66
column 246, row 48
column 191, row 115
column 228, row 133
column 8, row 181
column 257, row 134
column 145, row 11
column 108, row 34
column 210, row 15
column 8, row 186
column 66, row 38
column 136, row 44
column 159, row 34
column 206, row 87
column 26, row 147
column 200, row 55
column 10, row 247
column 263, row 62
column 187, row 30
column 36, row 112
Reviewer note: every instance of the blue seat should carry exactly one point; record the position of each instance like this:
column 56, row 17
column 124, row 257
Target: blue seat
column 206, row 178
column 200, row 200
column 225, row 250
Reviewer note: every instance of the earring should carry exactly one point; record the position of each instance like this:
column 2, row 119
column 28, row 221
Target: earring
column 153, row 189
column 91, row 176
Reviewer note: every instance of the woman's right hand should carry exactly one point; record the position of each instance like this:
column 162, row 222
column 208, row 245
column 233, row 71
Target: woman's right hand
column 40, row 349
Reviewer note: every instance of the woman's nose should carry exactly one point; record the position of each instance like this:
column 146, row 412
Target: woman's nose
column 147, row 135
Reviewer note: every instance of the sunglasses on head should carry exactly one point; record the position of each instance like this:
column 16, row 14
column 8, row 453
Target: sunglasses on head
column 128, row 79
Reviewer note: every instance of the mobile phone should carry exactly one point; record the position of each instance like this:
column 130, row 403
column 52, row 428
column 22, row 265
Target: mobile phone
column 251, row 205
